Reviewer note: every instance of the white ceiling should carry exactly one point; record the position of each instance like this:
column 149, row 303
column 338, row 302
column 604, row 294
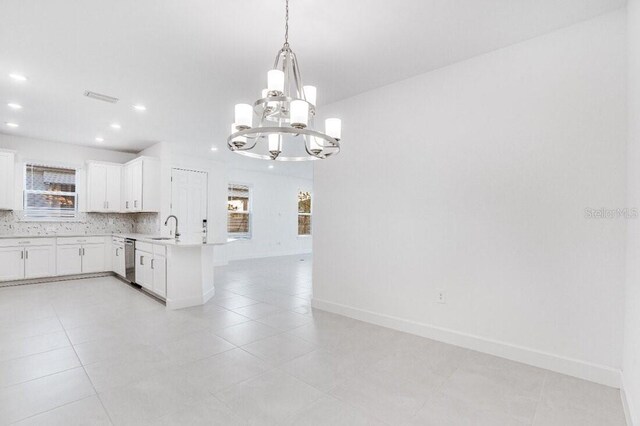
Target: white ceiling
column 190, row 61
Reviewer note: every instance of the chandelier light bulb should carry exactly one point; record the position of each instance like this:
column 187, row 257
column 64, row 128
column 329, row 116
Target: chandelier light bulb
column 238, row 141
column 275, row 81
column 299, row 114
column 310, row 94
column 244, row 116
column 314, row 146
column 275, row 145
column 333, row 128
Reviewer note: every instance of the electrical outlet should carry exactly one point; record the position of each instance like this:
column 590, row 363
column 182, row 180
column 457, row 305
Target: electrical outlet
column 441, row 297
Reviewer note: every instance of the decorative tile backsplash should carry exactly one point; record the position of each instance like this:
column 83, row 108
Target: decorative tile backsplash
column 12, row 223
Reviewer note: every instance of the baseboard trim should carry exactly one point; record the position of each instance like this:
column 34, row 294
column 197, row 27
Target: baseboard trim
column 572, row 367
column 628, row 415
column 265, row 255
column 56, row 278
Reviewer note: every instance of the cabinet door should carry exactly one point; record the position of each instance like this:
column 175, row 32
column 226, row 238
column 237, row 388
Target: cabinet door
column 69, row 259
column 12, row 261
column 144, row 274
column 113, row 188
column 7, row 183
column 93, row 258
column 39, row 262
column 117, row 260
column 96, row 187
column 136, row 185
column 159, row 271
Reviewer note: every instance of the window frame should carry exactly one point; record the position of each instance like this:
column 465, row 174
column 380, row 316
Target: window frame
column 310, row 214
column 43, row 217
column 241, row 235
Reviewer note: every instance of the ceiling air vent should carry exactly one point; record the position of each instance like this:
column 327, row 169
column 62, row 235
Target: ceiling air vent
column 100, row 97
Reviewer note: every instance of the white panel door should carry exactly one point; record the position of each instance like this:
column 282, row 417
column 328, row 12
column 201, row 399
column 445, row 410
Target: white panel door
column 96, row 187
column 39, row 262
column 113, row 188
column 189, row 201
column 69, row 259
column 93, row 258
column 159, row 272
column 12, row 261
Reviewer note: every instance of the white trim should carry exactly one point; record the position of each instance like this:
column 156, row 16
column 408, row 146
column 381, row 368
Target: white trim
column 626, row 407
column 597, row 373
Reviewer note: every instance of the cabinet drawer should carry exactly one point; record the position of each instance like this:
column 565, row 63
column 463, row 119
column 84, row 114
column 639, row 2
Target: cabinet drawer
column 18, row 242
column 80, row 240
column 142, row 246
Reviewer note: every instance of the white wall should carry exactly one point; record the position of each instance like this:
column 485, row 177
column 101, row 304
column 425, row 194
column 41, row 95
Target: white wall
column 474, row 179
column 274, row 218
column 631, row 364
column 55, row 153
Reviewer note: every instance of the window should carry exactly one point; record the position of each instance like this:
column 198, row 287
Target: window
column 50, row 193
column 239, row 211
column 304, row 213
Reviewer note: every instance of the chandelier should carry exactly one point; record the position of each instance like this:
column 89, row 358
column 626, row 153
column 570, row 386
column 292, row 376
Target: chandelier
column 281, row 124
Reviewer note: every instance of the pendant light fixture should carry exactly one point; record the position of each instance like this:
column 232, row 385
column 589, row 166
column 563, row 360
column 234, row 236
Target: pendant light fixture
column 284, row 116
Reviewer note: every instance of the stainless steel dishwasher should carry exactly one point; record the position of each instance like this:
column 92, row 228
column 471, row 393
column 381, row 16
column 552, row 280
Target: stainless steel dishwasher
column 130, row 259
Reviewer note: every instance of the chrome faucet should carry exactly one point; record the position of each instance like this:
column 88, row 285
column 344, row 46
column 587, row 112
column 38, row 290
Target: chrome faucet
column 166, row 222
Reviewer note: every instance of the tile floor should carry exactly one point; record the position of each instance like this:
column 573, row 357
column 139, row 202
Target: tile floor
column 95, row 351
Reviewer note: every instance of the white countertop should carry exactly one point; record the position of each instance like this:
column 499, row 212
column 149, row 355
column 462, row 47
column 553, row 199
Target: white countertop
column 148, row 238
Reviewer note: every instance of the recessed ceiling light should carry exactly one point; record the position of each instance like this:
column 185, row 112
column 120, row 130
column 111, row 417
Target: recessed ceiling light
column 214, row 148
column 18, row 77
column 14, row 105
column 271, row 166
column 116, row 126
column 12, row 124
column 99, row 139
column 139, row 107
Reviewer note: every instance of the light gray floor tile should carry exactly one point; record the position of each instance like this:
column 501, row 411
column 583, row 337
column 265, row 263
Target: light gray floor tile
column 330, row 411
column 441, row 409
column 210, row 412
column 33, row 345
column 246, row 332
column 271, row 398
column 31, row 367
column 194, row 346
column 257, row 311
column 46, row 393
column 279, row 348
column 285, row 321
column 320, row 369
column 85, row 412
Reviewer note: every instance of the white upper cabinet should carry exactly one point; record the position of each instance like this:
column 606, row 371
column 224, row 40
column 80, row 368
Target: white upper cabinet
column 104, row 187
column 7, row 182
column 142, row 185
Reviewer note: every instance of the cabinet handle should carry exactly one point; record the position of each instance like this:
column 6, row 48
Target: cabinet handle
column 117, row 252
column 141, row 260
column 135, row 204
column 79, row 252
column 22, row 254
column 26, row 254
column 83, row 251
column 126, row 205
column 107, row 205
column 151, row 263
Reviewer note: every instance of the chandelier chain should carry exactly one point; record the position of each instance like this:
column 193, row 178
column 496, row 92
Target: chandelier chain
column 286, row 24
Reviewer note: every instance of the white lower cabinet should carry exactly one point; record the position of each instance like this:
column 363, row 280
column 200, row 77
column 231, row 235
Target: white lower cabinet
column 39, row 262
column 151, row 272
column 81, row 255
column 12, row 261
column 69, row 259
